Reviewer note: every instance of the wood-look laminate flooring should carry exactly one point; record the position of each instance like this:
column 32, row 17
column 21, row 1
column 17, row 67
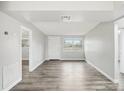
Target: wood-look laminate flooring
column 64, row 76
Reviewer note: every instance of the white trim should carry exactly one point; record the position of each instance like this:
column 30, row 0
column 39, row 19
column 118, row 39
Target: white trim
column 32, row 69
column 12, row 85
column 105, row 74
column 116, row 63
column 71, row 59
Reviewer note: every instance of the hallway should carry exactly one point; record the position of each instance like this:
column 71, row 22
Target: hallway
column 64, row 76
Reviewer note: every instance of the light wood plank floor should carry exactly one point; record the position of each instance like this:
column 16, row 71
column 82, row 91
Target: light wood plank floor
column 64, row 76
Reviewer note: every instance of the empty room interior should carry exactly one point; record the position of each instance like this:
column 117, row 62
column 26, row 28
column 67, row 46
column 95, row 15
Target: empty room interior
column 61, row 45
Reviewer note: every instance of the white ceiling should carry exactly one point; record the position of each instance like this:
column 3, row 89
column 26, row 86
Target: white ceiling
column 77, row 16
column 57, row 5
column 76, row 28
column 82, row 21
column 46, row 16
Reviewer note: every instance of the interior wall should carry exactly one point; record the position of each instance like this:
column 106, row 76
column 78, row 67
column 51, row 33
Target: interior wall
column 38, row 49
column 10, row 51
column 75, row 55
column 38, row 41
column 99, row 48
column 54, row 47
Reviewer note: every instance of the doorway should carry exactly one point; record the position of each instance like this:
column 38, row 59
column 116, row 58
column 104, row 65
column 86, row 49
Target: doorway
column 119, row 52
column 26, row 50
column 54, row 48
column 121, row 58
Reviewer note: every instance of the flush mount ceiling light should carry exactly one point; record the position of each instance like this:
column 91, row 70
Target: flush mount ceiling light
column 66, row 18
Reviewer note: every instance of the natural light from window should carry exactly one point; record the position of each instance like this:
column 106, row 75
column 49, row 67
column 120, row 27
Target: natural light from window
column 72, row 44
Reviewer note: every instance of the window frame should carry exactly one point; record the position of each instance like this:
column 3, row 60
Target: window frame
column 72, row 39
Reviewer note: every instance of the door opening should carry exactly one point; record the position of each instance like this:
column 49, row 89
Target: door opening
column 119, row 52
column 26, row 50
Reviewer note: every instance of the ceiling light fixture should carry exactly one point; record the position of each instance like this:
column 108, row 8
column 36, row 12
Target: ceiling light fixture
column 66, row 18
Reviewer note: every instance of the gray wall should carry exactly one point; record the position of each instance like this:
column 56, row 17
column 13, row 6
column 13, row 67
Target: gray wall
column 10, row 50
column 73, row 55
column 99, row 48
column 38, row 49
column 38, row 41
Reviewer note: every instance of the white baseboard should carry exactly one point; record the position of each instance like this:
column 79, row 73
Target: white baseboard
column 32, row 69
column 71, row 59
column 106, row 75
column 12, row 85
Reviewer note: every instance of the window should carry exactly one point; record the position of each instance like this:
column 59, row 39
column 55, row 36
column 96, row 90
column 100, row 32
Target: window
column 72, row 44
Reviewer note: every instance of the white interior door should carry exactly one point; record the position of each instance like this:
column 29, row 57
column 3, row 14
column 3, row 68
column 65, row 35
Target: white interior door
column 122, row 51
column 54, row 47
